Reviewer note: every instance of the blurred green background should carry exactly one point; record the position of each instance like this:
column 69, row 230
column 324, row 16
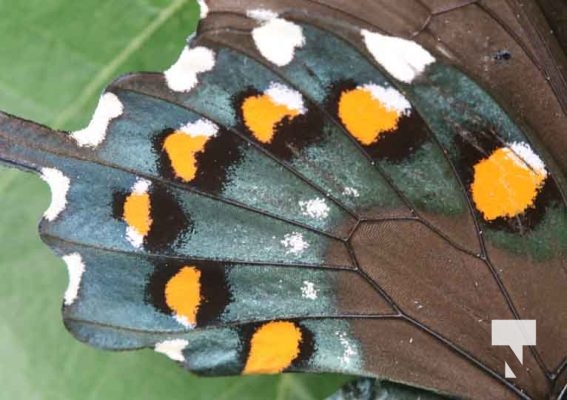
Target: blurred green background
column 55, row 58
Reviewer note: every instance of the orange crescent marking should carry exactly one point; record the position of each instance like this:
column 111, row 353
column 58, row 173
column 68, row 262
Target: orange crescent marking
column 273, row 348
column 183, row 293
column 137, row 212
column 262, row 114
column 181, row 149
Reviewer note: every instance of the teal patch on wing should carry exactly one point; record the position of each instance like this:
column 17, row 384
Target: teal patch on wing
column 185, row 150
column 95, row 212
column 301, row 140
column 337, row 349
column 318, row 338
column 299, row 134
column 325, row 345
column 301, row 291
column 135, row 291
column 298, row 292
column 214, row 352
column 546, row 241
column 114, row 214
column 361, row 102
column 204, row 352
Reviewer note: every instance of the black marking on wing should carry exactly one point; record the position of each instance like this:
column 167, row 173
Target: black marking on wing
column 168, row 219
column 396, row 146
column 478, row 143
column 213, row 162
column 291, row 133
column 307, row 345
column 214, row 289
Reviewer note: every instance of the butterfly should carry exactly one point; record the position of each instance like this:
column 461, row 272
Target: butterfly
column 324, row 186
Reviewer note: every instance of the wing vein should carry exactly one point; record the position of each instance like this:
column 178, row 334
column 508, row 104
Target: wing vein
column 71, row 243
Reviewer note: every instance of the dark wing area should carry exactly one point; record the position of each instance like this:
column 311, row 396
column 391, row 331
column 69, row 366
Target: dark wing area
column 355, row 187
column 556, row 14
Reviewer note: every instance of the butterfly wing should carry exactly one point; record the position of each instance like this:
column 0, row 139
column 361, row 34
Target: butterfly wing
column 235, row 214
column 457, row 157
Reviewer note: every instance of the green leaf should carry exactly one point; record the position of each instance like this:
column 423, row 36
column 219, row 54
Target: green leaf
column 55, row 58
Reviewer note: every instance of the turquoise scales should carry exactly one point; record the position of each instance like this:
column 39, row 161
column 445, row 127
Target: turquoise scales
column 371, row 249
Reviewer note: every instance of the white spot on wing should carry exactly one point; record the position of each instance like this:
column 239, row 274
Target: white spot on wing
column 389, row 97
column 182, row 76
column 315, row 208
column 201, row 127
column 527, row 158
column 134, row 237
column 59, row 186
column 172, row 348
column 350, row 191
column 281, row 94
column 141, row 186
column 294, row 243
column 184, row 321
column 204, row 8
column 75, row 268
column 349, row 351
column 277, row 39
column 108, row 108
column 308, row 290
column 261, row 14
column 401, row 58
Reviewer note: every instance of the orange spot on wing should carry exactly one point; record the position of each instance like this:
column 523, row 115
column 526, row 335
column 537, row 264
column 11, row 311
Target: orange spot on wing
column 183, row 293
column 504, row 185
column 262, row 114
column 137, row 212
column 181, row 149
column 273, row 348
column 365, row 117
